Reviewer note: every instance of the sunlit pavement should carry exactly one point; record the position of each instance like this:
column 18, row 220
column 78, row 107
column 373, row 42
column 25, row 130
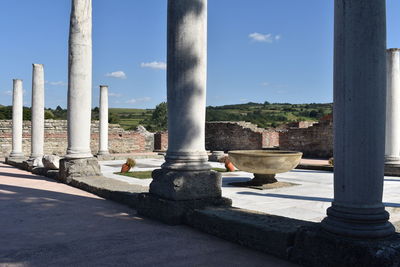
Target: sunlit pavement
column 307, row 200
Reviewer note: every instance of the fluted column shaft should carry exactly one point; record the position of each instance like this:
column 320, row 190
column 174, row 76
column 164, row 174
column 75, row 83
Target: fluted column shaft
column 80, row 79
column 37, row 119
column 359, row 120
column 103, row 123
column 186, row 84
column 392, row 146
column 17, row 119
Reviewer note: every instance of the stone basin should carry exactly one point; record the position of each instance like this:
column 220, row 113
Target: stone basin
column 264, row 163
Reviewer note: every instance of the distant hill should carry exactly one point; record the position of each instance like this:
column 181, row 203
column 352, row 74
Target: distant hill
column 264, row 115
column 269, row 115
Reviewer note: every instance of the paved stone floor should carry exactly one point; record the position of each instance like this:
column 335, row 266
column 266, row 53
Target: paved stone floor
column 308, row 200
column 45, row 223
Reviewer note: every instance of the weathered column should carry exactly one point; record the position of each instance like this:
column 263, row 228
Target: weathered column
column 359, row 120
column 79, row 160
column 37, row 119
column 17, row 118
column 103, row 124
column 80, row 80
column 392, row 146
column 186, row 173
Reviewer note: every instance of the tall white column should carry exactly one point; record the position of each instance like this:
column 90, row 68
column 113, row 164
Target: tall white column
column 80, row 80
column 392, row 146
column 37, row 119
column 186, row 174
column 359, row 120
column 103, row 124
column 186, row 85
column 17, row 120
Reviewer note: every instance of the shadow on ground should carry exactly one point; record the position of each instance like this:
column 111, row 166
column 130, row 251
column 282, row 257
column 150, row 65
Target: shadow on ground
column 46, row 227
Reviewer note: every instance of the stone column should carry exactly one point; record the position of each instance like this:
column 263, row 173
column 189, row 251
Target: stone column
column 186, row 173
column 359, row 120
column 17, row 119
column 37, row 128
column 80, row 80
column 103, row 124
column 392, row 146
column 79, row 160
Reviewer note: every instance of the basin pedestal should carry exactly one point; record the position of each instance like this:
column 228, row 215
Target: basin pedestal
column 261, row 179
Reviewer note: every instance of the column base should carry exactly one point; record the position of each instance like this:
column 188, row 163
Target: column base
column 36, row 161
column 16, row 156
column 186, row 161
column 70, row 168
column 186, row 185
column 358, row 222
column 103, row 152
column 32, row 163
column 392, row 160
column 74, row 154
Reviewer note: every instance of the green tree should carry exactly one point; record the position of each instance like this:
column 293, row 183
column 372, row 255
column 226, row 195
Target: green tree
column 159, row 118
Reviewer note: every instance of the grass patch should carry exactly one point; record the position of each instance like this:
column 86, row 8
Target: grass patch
column 138, row 175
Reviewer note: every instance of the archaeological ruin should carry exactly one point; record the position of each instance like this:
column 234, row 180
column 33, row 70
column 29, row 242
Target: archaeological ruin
column 185, row 190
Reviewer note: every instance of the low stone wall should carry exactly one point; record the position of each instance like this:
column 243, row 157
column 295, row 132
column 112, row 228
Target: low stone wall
column 315, row 141
column 120, row 141
column 225, row 136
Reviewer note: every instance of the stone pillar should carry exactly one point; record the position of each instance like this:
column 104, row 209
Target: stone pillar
column 37, row 128
column 80, row 80
column 103, row 124
column 392, row 146
column 359, row 120
column 186, row 173
column 17, row 118
column 79, row 160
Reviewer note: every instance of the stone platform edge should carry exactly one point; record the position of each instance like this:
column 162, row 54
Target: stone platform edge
column 294, row 240
column 390, row 170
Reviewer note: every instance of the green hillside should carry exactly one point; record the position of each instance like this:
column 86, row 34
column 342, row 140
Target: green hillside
column 262, row 114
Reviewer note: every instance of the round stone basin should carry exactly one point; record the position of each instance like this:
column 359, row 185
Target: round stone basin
column 265, row 161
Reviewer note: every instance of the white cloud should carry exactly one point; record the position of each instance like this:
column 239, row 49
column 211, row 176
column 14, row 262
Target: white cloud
column 117, row 74
column 154, row 65
column 9, row 92
column 114, row 94
column 265, row 84
column 59, row 83
column 138, row 100
column 264, row 38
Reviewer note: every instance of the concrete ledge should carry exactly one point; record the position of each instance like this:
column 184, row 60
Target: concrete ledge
column 267, row 233
column 315, row 247
column 390, row 169
column 173, row 212
column 315, row 167
column 110, row 189
column 16, row 162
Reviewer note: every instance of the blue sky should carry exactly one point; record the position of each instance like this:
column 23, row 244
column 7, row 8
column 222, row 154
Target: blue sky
column 258, row 50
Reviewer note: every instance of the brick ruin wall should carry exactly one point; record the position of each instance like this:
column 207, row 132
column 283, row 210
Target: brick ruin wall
column 227, row 136
column 120, row 141
column 315, row 141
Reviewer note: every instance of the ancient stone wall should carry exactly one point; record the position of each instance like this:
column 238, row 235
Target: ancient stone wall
column 120, row 141
column 238, row 135
column 315, row 141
